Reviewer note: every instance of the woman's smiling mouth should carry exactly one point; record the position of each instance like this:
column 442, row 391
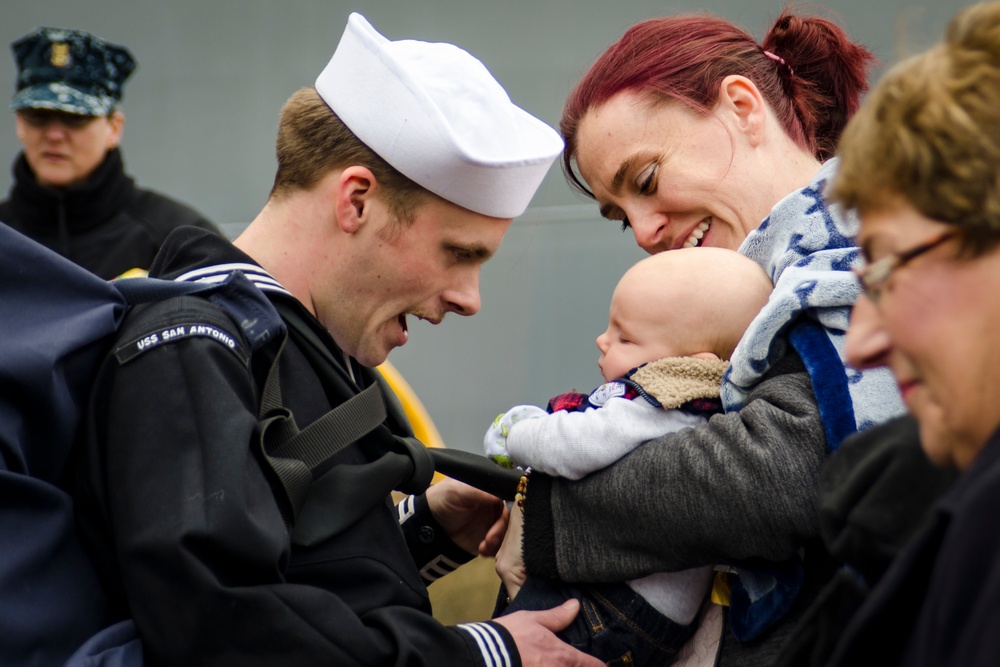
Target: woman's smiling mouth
column 694, row 240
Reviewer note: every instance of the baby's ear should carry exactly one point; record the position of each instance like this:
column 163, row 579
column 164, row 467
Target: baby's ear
column 705, row 355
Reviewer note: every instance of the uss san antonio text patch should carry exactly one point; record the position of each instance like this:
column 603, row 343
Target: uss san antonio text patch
column 175, row 333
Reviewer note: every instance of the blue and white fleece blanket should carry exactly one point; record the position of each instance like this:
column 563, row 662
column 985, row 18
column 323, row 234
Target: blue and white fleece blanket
column 808, row 248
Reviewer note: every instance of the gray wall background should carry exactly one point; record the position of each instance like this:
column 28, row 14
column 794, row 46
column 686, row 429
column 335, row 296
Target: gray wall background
column 202, row 111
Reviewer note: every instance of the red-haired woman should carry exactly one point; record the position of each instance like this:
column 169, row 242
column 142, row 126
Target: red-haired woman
column 690, row 133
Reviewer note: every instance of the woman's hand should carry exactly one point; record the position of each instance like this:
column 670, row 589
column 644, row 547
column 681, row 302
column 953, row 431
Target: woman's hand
column 510, row 560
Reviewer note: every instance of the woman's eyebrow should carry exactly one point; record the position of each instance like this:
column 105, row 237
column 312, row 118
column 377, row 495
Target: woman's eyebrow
column 606, row 210
column 616, row 183
column 619, row 178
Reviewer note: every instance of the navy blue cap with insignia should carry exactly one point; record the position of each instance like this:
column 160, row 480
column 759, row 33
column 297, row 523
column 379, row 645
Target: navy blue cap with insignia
column 71, row 71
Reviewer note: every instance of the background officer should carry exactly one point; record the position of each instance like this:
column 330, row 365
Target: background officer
column 70, row 190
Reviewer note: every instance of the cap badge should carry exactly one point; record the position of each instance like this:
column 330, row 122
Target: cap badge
column 60, row 54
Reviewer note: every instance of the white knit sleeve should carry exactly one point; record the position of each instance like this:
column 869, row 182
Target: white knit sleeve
column 575, row 444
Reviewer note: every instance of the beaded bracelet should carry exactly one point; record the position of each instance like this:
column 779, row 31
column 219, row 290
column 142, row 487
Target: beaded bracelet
column 522, row 489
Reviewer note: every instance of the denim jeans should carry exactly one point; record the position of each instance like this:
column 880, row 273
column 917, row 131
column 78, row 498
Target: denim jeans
column 615, row 624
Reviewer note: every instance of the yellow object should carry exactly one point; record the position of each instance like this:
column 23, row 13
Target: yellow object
column 134, row 273
column 469, row 593
column 720, row 589
column 420, row 419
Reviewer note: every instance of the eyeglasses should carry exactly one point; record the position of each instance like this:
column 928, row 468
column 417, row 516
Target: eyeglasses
column 42, row 117
column 874, row 276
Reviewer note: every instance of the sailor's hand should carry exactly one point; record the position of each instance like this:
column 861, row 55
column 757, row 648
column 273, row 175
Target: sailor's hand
column 467, row 514
column 534, row 634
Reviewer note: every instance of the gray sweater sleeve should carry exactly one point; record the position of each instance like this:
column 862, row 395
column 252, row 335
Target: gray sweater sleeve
column 743, row 485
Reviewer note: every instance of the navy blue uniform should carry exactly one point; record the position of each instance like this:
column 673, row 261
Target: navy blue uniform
column 180, row 512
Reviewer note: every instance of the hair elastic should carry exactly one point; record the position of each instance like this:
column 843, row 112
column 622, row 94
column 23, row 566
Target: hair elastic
column 779, row 59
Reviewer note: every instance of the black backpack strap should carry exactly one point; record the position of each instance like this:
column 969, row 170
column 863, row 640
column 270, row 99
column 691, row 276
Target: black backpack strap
column 477, row 470
column 344, row 493
column 294, row 454
column 291, row 454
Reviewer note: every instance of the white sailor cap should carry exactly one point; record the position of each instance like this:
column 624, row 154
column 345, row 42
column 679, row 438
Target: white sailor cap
column 437, row 115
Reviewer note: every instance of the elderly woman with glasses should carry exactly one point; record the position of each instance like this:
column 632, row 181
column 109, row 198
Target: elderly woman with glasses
column 921, row 165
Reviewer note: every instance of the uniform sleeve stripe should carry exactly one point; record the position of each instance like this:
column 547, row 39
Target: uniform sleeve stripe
column 263, row 287
column 437, row 568
column 218, row 272
column 220, row 269
column 406, row 508
column 490, row 644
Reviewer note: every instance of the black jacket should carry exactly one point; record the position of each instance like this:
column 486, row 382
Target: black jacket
column 107, row 225
column 874, row 494
column 180, row 513
column 938, row 604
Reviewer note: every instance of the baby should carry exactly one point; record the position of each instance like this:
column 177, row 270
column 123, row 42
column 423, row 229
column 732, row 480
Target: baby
column 675, row 319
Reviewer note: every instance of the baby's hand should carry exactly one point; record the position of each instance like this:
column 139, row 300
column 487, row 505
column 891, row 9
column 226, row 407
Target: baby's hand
column 495, row 441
